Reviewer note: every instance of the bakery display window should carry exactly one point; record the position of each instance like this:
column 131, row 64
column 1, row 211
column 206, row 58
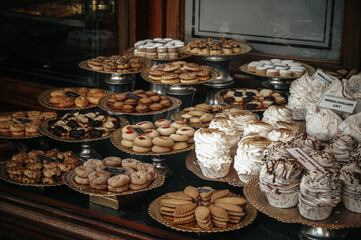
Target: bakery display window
column 48, row 39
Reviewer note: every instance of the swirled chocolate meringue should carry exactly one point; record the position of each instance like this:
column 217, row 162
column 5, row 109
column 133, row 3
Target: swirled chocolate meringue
column 277, row 150
column 276, row 113
column 306, row 142
column 322, row 123
column 281, row 134
column 257, row 128
column 352, row 126
column 342, row 148
column 326, row 160
column 226, row 125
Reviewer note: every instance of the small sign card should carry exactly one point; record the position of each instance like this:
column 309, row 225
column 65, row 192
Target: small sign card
column 72, row 94
column 139, row 131
column 304, row 159
column 115, row 170
column 323, row 76
column 133, row 96
column 204, row 190
column 339, row 104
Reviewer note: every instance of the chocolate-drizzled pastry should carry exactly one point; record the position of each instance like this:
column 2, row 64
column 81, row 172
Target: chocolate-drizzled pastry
column 271, row 98
column 247, row 99
column 78, row 133
column 223, row 93
column 238, row 94
column 73, row 124
column 58, row 130
column 229, row 99
column 250, row 94
column 96, row 133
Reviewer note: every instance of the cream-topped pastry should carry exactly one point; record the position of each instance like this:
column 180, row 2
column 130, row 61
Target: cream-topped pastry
column 352, row 126
column 322, row 123
column 226, row 125
column 213, row 152
column 257, row 128
column 277, row 150
column 342, row 148
column 326, row 160
column 276, row 113
column 320, row 192
column 306, row 142
column 241, row 118
column 249, row 157
column 351, row 186
column 298, row 91
column 281, row 134
column 280, row 180
column 315, row 91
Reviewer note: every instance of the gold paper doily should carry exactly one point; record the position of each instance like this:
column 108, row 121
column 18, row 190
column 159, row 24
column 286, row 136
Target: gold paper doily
column 69, row 177
column 4, row 175
column 244, row 49
column 146, row 63
column 116, row 138
column 340, row 217
column 16, row 137
column 45, row 96
column 231, row 178
column 154, row 212
column 44, row 128
column 104, row 105
column 182, row 55
column 221, row 100
column 310, row 70
column 145, row 75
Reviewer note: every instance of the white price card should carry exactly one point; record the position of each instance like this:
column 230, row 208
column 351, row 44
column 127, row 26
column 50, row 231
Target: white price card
column 319, row 74
column 304, row 159
column 339, row 104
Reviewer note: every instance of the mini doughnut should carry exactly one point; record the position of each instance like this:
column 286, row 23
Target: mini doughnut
column 159, row 149
column 128, row 171
column 128, row 128
column 139, row 177
column 129, row 135
column 130, row 162
column 156, row 106
column 81, row 180
column 127, row 143
column 166, row 131
column 99, row 177
column 179, row 137
column 162, row 123
column 139, row 187
column 98, row 186
column 118, row 180
column 118, row 189
column 147, row 167
column 178, row 124
column 141, row 149
column 152, row 133
column 180, row 146
column 145, row 125
column 112, row 161
column 163, row 142
column 186, row 130
column 143, row 141
column 93, row 162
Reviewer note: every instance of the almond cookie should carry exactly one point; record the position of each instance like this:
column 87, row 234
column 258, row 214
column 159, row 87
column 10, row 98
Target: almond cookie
column 137, row 187
column 143, row 141
column 166, row 130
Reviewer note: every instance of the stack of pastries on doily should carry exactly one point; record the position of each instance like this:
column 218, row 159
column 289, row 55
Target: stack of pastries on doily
column 259, row 148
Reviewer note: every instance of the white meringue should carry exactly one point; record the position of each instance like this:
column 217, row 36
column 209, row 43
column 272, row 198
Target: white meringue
column 257, row 128
column 226, row 125
column 281, row 134
column 276, row 113
column 352, row 126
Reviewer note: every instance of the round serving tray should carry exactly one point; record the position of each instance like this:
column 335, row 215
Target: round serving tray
column 16, row 137
column 181, row 55
column 244, row 49
column 4, row 176
column 104, row 106
column 69, row 177
column 231, row 178
column 116, row 138
column 145, row 75
column 340, row 217
column 44, row 128
column 146, row 64
column 309, row 69
column 44, row 98
column 154, row 212
column 221, row 100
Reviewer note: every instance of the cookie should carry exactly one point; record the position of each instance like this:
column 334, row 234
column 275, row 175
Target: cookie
column 169, row 202
column 232, row 200
column 179, row 195
column 192, row 192
column 219, row 194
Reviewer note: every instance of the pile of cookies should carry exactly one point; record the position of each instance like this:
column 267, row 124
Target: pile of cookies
column 120, row 64
column 33, row 169
column 20, row 124
column 180, row 72
column 213, row 47
column 115, row 174
column 204, row 206
column 253, row 99
column 76, row 97
column 83, row 124
column 160, row 137
column 138, row 101
column 277, row 68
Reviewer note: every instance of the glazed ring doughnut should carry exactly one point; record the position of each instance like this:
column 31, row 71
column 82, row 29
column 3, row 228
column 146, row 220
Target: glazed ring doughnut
column 93, row 162
column 166, row 131
column 147, row 167
column 145, row 125
column 186, row 130
column 139, row 177
column 128, row 171
column 81, row 180
column 139, row 187
column 163, row 141
column 178, row 124
column 180, row 146
column 112, row 161
column 143, row 141
column 99, row 177
column 159, row 149
column 151, row 133
column 179, row 137
column 98, row 186
column 118, row 180
column 162, row 123
column 128, row 128
column 83, row 171
column 127, row 143
column 129, row 135
column 141, row 149
column 118, row 189
column 130, row 162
